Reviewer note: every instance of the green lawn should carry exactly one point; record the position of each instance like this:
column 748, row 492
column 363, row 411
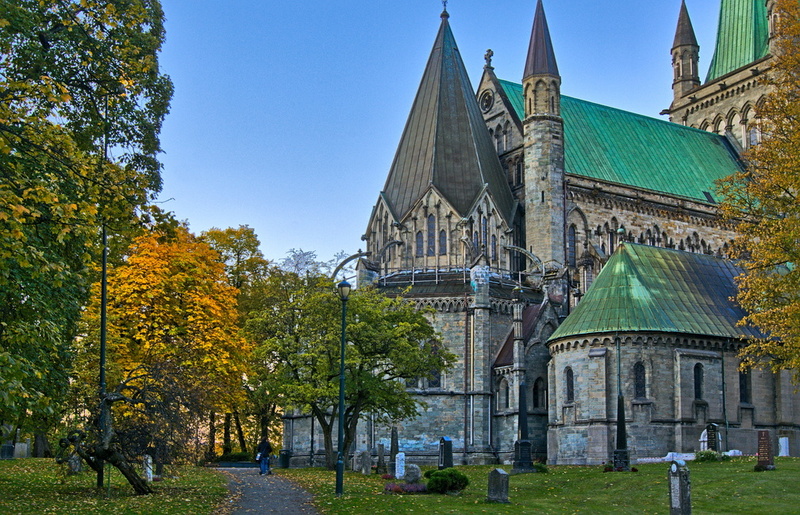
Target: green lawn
column 41, row 486
column 730, row 487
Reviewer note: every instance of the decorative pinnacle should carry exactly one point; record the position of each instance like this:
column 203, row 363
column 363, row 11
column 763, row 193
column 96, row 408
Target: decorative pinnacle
column 445, row 14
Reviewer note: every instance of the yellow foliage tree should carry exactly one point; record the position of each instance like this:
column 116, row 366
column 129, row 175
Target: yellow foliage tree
column 763, row 203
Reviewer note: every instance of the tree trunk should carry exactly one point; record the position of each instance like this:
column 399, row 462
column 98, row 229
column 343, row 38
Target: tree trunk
column 139, row 485
column 212, row 437
column 239, row 432
column 227, row 446
column 41, row 446
column 264, row 427
column 331, row 452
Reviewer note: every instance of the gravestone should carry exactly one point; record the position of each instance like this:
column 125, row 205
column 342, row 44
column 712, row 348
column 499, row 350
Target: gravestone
column 523, row 457
column 74, row 465
column 445, row 452
column 783, row 446
column 413, row 473
column 365, row 462
column 400, row 465
column 7, row 451
column 766, row 459
column 393, row 450
column 147, row 465
column 711, row 437
column 498, row 486
column 381, row 468
column 680, row 489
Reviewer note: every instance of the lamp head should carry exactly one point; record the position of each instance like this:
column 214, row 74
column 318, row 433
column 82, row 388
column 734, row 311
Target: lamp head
column 344, row 290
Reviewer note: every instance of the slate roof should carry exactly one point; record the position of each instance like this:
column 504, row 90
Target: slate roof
column 541, row 57
column 653, row 289
column 621, row 147
column 684, row 34
column 742, row 36
column 445, row 143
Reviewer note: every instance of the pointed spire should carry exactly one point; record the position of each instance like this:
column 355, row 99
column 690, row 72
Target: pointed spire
column 445, row 143
column 541, row 57
column 684, row 34
column 742, row 36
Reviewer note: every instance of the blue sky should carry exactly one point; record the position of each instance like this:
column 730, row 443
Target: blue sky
column 287, row 114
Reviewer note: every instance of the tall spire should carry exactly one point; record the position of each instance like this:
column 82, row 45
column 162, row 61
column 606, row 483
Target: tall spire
column 684, row 34
column 445, row 143
column 541, row 57
column 742, row 36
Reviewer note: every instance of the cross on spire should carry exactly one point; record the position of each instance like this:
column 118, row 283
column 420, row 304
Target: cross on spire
column 444, row 4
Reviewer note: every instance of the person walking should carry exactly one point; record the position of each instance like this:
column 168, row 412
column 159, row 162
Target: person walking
column 264, row 450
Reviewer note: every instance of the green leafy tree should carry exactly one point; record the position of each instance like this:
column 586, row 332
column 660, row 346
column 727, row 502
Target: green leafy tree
column 298, row 337
column 763, row 203
column 79, row 80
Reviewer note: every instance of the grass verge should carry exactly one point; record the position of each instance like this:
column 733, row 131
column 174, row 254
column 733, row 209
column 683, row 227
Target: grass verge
column 727, row 487
column 42, row 486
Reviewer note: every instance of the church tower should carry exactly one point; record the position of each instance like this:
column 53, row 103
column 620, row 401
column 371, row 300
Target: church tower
column 544, row 147
column 685, row 56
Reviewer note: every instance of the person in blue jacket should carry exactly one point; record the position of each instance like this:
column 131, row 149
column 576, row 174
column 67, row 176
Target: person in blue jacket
column 264, row 450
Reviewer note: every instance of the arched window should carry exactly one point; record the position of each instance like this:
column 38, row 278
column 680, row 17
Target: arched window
column 698, row 381
column 442, row 242
column 484, row 231
column 420, row 244
column 639, row 381
column 435, row 381
column 744, row 387
column 539, row 393
column 431, row 235
column 502, row 395
column 494, row 247
column 518, row 172
column 476, row 245
column 569, row 377
column 571, row 244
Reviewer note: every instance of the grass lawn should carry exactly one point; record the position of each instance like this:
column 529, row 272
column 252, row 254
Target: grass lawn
column 41, row 486
column 729, row 487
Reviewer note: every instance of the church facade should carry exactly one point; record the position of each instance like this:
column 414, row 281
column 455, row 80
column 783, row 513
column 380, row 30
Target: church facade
column 573, row 255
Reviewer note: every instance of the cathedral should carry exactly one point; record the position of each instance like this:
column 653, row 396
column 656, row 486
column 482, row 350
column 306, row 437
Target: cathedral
column 574, row 258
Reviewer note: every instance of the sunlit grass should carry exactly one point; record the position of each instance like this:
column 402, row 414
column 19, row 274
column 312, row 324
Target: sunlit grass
column 42, row 486
column 730, row 487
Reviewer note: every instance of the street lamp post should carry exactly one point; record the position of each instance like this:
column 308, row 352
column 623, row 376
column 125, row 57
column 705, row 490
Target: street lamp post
column 344, row 293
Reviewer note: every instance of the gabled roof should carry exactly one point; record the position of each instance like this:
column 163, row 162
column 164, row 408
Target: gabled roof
column 684, row 34
column 445, row 142
column 621, row 147
column 541, row 57
column 652, row 289
column 742, row 36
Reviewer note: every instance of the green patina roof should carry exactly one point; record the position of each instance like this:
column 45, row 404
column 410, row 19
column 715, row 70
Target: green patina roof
column 742, row 36
column 653, row 289
column 621, row 147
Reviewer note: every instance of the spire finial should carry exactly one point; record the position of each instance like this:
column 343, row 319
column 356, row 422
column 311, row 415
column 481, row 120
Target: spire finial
column 445, row 14
column 488, row 57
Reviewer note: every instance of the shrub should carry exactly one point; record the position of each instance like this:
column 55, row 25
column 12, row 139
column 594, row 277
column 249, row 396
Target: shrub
column 234, row 456
column 387, row 476
column 708, row 455
column 447, row 480
column 405, row 488
column 540, row 467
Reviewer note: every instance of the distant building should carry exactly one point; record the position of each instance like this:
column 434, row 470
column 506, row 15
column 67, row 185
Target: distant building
column 607, row 221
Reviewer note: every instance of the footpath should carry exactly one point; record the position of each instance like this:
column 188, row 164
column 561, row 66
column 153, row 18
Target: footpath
column 253, row 493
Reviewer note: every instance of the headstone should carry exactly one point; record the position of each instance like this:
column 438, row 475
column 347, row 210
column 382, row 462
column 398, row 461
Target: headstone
column 498, row 486
column 523, row 457
column 400, row 465
column 711, row 437
column 680, row 489
column 21, row 450
column 393, row 450
column 147, row 465
column 7, row 451
column 765, row 456
column 381, row 468
column 74, row 465
column 783, row 446
column 413, row 473
column 365, row 462
column 445, row 452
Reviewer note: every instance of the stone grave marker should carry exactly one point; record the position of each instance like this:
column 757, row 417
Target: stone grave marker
column 147, row 465
column 365, row 462
column 445, row 452
column 394, row 448
column 413, row 473
column 381, row 468
column 400, row 465
column 498, row 486
column 680, row 489
column 711, row 437
column 74, row 465
column 765, row 457
column 783, row 446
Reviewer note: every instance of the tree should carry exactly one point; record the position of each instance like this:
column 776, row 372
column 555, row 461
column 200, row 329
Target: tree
column 763, row 203
column 76, row 78
column 298, row 335
column 173, row 347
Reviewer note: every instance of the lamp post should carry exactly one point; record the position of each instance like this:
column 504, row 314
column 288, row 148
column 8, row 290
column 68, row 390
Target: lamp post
column 344, row 293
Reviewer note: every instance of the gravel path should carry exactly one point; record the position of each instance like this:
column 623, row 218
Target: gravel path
column 252, row 493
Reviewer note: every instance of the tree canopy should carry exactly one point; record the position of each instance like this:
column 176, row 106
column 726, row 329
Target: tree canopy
column 763, row 203
column 298, row 343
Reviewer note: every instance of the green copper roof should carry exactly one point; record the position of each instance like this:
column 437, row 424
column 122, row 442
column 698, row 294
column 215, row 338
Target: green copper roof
column 652, row 289
column 742, row 36
column 621, row 147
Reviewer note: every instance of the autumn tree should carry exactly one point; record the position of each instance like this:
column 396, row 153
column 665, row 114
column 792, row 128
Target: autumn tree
column 298, row 337
column 763, row 203
column 173, row 345
column 81, row 106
